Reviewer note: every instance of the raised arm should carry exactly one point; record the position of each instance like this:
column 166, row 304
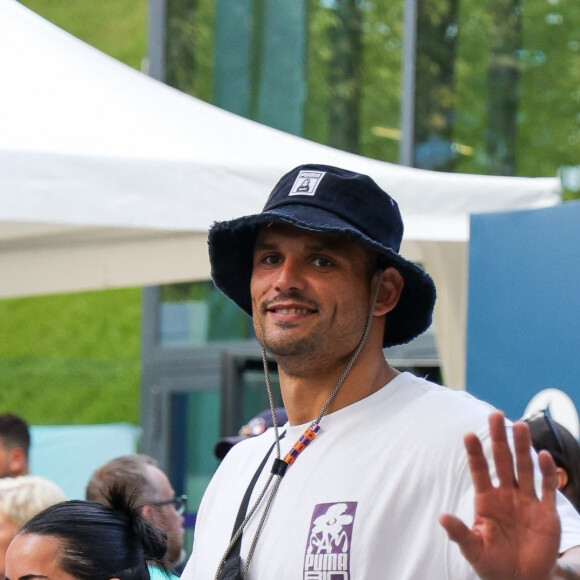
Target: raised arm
column 515, row 534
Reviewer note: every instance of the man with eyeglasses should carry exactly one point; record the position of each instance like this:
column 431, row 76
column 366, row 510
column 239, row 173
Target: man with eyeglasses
column 140, row 475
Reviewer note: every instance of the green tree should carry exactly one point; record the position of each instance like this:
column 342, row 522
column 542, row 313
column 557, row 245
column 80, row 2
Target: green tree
column 504, row 80
column 345, row 75
column 435, row 101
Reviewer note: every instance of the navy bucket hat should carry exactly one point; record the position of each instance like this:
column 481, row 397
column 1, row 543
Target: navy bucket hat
column 327, row 200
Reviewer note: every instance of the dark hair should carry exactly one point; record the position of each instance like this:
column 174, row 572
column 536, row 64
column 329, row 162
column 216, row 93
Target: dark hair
column 563, row 447
column 99, row 542
column 14, row 432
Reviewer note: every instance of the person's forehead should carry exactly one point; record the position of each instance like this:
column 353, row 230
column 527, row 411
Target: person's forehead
column 34, row 556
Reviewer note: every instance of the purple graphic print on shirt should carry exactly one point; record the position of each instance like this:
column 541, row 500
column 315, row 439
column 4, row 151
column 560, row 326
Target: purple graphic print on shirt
column 329, row 540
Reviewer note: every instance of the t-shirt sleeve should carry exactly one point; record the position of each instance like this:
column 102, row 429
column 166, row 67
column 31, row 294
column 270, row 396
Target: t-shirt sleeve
column 570, row 522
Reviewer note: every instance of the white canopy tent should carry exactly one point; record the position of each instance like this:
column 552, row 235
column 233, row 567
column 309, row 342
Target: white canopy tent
column 109, row 178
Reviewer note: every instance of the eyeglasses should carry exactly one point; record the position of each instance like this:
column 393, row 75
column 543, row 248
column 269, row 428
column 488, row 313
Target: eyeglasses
column 545, row 414
column 553, row 429
column 179, row 502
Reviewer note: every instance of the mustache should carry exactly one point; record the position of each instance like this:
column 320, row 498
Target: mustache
column 290, row 296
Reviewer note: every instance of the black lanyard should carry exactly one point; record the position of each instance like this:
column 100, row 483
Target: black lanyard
column 231, row 570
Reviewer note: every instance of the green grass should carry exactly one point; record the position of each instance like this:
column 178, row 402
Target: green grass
column 73, row 358
column 116, row 27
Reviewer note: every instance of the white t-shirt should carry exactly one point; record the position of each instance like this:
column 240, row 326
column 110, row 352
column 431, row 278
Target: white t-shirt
column 362, row 501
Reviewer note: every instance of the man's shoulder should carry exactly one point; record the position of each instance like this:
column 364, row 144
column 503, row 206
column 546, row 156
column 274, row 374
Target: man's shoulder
column 431, row 402
column 425, row 387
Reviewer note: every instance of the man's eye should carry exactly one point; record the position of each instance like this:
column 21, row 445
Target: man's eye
column 270, row 259
column 322, row 262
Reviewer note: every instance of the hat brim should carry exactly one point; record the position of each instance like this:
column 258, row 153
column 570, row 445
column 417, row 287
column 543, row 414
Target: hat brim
column 231, row 248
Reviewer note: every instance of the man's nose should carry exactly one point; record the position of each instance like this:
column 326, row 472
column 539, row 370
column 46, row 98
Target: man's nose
column 290, row 275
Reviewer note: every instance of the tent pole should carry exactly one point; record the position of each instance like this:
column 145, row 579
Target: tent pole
column 156, row 39
column 407, row 142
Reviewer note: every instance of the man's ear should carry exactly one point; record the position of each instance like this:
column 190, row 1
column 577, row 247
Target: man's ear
column 17, row 461
column 146, row 511
column 562, row 476
column 391, row 287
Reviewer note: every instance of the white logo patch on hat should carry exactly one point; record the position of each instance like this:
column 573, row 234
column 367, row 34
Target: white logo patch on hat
column 307, row 182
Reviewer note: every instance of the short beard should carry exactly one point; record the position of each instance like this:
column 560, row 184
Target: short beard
column 302, row 357
column 290, row 348
column 302, row 346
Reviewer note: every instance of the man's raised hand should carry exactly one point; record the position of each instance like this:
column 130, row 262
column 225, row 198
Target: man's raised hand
column 515, row 534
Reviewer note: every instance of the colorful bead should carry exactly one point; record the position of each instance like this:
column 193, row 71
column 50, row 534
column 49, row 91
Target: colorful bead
column 301, row 444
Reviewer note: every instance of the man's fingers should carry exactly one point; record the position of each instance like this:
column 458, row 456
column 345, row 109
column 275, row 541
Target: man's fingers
column 477, row 463
column 502, row 455
column 503, row 458
column 455, row 528
column 549, row 477
column 468, row 542
column 524, row 464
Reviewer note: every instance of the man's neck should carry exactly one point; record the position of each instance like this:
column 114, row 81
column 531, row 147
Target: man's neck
column 305, row 395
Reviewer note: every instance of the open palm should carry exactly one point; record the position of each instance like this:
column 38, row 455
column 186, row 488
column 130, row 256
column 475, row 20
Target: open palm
column 515, row 534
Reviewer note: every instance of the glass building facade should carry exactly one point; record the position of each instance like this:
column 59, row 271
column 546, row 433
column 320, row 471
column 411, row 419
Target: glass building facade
column 496, row 83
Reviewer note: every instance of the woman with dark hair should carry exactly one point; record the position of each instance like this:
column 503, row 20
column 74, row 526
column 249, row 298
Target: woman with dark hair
column 86, row 540
column 563, row 447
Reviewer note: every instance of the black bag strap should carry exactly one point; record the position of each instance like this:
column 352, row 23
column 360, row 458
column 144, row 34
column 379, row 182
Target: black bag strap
column 231, row 568
column 246, row 499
